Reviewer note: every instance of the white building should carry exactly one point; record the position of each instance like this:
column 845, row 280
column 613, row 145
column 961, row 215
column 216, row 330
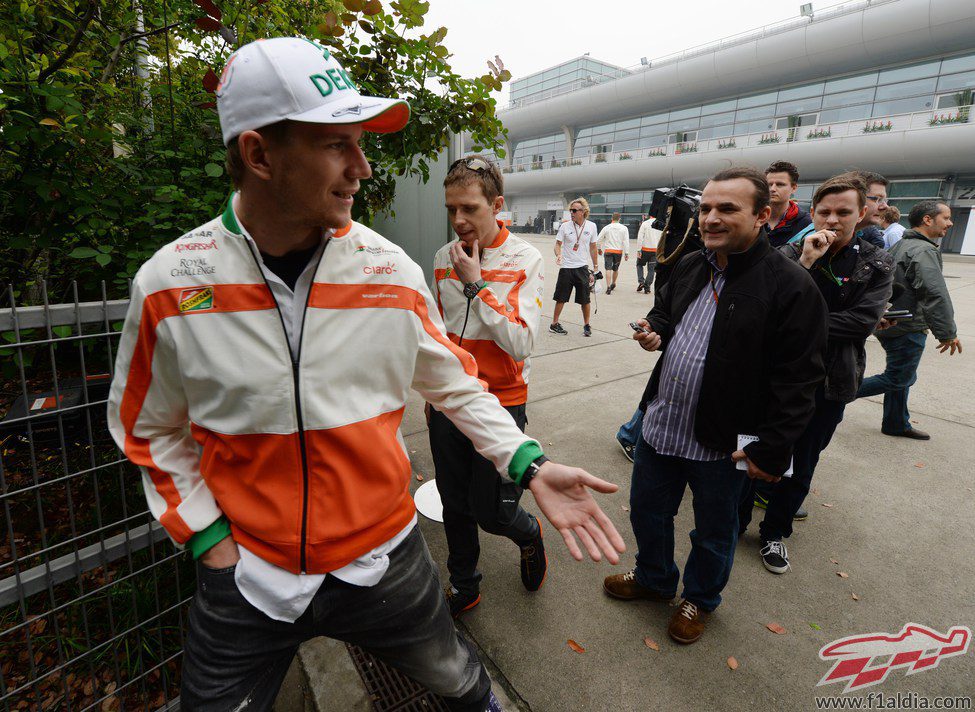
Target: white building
column 884, row 85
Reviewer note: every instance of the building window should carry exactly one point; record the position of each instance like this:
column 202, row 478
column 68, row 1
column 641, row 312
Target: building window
column 965, row 80
column 903, row 106
column 849, row 98
column 916, row 71
column 958, row 64
column 794, row 121
column 905, row 89
column 802, row 92
column 955, row 99
column 860, row 81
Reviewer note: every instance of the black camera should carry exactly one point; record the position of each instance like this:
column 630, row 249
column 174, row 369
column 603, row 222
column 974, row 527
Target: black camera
column 675, row 213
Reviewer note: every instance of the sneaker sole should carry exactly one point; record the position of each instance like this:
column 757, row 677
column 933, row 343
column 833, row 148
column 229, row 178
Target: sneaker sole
column 618, row 597
column 775, row 569
column 684, row 641
column 466, row 608
column 800, row 518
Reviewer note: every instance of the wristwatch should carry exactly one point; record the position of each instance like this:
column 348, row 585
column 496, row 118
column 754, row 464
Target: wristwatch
column 532, row 470
column 472, row 288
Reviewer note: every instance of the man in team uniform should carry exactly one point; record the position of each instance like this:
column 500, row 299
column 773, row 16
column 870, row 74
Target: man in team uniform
column 575, row 254
column 646, row 246
column 614, row 243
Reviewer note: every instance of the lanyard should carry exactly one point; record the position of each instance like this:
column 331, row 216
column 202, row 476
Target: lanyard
column 714, row 290
column 579, row 233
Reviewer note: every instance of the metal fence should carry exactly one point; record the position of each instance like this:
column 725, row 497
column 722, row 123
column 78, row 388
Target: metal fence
column 93, row 595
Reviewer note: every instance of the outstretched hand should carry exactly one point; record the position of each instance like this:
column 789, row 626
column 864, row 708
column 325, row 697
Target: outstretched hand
column 563, row 495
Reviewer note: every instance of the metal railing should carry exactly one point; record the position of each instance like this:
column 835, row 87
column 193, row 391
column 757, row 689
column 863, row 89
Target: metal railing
column 800, row 134
column 93, row 595
column 731, row 41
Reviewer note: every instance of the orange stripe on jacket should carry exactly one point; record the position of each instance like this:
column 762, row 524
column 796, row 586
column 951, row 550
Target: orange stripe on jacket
column 488, row 275
column 504, row 375
column 386, row 296
column 156, row 307
column 612, row 252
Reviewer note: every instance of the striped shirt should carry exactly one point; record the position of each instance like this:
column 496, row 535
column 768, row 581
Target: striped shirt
column 669, row 422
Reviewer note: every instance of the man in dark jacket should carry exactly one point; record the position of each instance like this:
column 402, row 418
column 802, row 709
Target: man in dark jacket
column 743, row 331
column 918, row 262
column 855, row 280
column 868, row 228
column 787, row 217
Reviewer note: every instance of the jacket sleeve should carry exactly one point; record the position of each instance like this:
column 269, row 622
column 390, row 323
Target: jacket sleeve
column 859, row 321
column 798, row 342
column 626, row 240
column 931, row 292
column 446, row 377
column 601, row 236
column 641, row 236
column 514, row 324
column 148, row 418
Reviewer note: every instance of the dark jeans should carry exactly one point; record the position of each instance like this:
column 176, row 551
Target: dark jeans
column 630, row 432
column 903, row 356
column 655, row 496
column 474, row 495
column 651, row 265
column 786, row 496
column 234, row 652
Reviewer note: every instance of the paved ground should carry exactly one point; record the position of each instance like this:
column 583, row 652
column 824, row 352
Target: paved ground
column 895, row 515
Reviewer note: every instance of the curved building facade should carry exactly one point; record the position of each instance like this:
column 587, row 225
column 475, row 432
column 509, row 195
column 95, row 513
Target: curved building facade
column 886, row 85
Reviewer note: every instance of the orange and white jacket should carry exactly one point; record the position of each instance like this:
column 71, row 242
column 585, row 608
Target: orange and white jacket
column 614, row 239
column 504, row 316
column 647, row 238
column 300, row 453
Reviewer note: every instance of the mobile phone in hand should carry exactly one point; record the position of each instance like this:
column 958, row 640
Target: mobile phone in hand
column 638, row 329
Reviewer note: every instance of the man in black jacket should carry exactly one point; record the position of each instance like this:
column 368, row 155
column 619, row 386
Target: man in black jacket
column 855, row 279
column 743, row 330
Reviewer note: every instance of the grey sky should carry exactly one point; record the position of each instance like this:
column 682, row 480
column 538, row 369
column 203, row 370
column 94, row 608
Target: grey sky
column 532, row 35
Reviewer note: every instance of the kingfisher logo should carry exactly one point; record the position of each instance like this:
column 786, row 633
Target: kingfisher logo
column 195, row 246
column 866, row 660
column 199, row 299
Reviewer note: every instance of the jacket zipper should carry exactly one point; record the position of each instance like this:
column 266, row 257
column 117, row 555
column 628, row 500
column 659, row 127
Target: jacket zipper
column 727, row 321
column 295, row 371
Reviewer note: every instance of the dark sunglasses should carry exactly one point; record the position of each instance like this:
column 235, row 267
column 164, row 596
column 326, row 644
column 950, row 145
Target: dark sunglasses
column 575, row 210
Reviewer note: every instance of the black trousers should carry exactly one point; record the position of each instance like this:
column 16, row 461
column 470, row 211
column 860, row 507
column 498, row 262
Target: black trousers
column 474, row 495
column 786, row 496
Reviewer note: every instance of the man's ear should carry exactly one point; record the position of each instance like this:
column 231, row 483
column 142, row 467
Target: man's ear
column 863, row 214
column 254, row 154
column 498, row 205
column 763, row 215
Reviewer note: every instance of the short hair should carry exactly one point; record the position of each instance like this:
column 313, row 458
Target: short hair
column 840, row 184
column 923, row 209
column 278, row 132
column 617, row 216
column 761, row 198
column 785, row 167
column 891, row 214
column 870, row 178
column 484, row 172
column 584, row 203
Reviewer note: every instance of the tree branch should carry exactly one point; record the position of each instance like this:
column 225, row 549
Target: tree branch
column 72, row 46
column 117, row 52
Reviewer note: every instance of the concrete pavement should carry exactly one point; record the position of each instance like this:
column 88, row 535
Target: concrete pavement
column 895, row 515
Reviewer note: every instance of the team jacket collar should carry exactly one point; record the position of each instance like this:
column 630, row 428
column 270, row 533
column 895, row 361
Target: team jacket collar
column 499, row 240
column 229, row 220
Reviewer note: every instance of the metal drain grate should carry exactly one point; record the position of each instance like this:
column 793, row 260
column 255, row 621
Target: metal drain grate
column 391, row 690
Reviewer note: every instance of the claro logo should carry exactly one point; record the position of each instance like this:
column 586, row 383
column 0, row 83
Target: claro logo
column 388, row 268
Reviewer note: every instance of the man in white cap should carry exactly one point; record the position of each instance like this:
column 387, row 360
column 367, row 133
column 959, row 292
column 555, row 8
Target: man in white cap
column 260, row 384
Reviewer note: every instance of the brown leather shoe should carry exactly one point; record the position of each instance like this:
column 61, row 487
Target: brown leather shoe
column 626, row 588
column 687, row 623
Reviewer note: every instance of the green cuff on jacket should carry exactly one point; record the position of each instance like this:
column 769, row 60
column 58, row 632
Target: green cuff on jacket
column 201, row 542
column 523, row 457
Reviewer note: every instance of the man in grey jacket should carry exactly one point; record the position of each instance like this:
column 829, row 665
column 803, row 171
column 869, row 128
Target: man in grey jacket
column 918, row 265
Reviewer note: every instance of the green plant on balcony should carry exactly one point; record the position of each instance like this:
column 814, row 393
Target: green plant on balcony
column 657, row 152
column 624, row 156
column 942, row 119
column 575, row 162
column 685, row 147
column 726, row 144
column 820, row 133
column 769, row 138
column 521, row 169
column 874, row 127
column 556, row 163
column 599, row 158
column 536, row 165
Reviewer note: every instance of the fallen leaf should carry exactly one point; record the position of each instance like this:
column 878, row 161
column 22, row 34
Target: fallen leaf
column 827, row 504
column 419, row 477
column 89, row 688
column 776, row 628
column 834, row 561
column 413, row 452
column 914, row 421
column 110, row 704
column 110, row 688
column 551, row 443
column 815, row 626
column 919, row 465
column 815, row 491
column 576, row 647
column 732, row 663
column 842, row 574
column 651, row 643
column 625, row 508
column 855, row 597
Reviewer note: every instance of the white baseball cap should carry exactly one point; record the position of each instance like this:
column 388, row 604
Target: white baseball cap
column 267, row 81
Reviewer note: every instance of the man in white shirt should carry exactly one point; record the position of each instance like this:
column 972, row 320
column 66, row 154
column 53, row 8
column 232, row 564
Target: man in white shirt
column 263, row 447
column 613, row 243
column 646, row 246
column 575, row 254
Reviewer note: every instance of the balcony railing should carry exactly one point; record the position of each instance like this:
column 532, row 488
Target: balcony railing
column 800, row 134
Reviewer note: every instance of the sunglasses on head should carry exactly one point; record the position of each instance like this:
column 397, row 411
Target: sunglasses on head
column 478, row 165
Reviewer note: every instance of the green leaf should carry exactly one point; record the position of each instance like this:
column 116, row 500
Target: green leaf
column 61, row 331
column 82, row 253
column 103, row 259
column 214, row 170
column 815, row 626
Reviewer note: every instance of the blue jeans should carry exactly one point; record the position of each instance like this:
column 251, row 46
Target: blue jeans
column 655, row 496
column 630, row 432
column 903, row 356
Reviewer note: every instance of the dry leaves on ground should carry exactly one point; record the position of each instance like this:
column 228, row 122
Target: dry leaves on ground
column 575, row 646
column 827, row 504
column 651, row 643
column 834, row 561
column 855, row 597
column 625, row 508
column 919, row 465
column 419, row 477
column 776, row 628
column 842, row 574
column 732, row 663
